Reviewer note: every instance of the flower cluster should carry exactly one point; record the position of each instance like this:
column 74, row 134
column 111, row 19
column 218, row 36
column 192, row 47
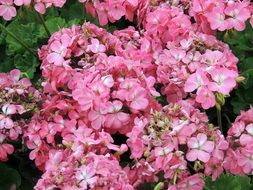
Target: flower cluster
column 208, row 15
column 221, row 15
column 239, row 159
column 93, row 91
column 176, row 143
column 74, row 49
column 8, row 7
column 199, row 63
column 18, row 101
column 92, row 171
column 111, row 10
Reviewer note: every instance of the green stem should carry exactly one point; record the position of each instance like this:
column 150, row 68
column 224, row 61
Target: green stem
column 175, row 178
column 219, row 118
column 44, row 24
column 18, row 40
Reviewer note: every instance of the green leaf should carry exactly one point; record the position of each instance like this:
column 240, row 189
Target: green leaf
column 26, row 64
column 26, row 32
column 243, row 99
column 27, row 185
column 6, row 64
column 53, row 25
column 8, row 177
column 246, row 64
column 73, row 10
column 228, row 182
column 248, row 82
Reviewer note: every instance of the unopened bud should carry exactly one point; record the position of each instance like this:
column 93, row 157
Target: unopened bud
column 220, row 99
column 198, row 166
column 240, row 79
column 146, row 153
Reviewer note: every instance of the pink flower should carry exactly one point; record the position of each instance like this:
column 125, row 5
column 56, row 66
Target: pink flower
column 245, row 159
column 138, row 99
column 195, row 81
column 193, row 182
column 40, row 7
column 137, row 148
column 116, row 119
column 108, row 81
column 212, row 58
column 96, row 47
column 86, row 176
column 9, row 109
column 247, row 138
column 213, row 168
column 84, row 98
column 7, row 10
column 22, row 2
column 6, row 122
column 205, row 97
column 236, row 129
column 238, row 15
column 59, row 50
column 101, row 9
column 97, row 117
column 199, row 148
column 217, row 19
column 5, row 149
column 163, row 155
column 116, row 10
column 224, row 80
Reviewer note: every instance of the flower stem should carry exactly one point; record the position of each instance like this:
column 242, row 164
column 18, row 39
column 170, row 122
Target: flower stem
column 18, row 40
column 44, row 24
column 219, row 118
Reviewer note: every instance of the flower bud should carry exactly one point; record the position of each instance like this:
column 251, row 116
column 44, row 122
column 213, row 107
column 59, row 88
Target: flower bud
column 240, row 79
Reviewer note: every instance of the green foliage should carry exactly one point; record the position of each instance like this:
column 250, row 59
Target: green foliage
column 8, row 177
column 228, row 182
column 28, row 27
column 241, row 44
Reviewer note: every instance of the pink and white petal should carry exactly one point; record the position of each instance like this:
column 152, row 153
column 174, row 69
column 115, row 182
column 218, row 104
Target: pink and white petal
column 192, row 155
column 203, row 156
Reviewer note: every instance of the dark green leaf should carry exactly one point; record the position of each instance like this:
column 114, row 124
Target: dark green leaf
column 8, row 177
column 228, row 182
column 53, row 24
column 26, row 63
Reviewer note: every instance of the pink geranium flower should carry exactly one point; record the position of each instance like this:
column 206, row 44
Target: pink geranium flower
column 115, row 118
column 5, row 149
column 138, row 99
column 217, row 19
column 205, row 97
column 195, row 81
column 199, row 148
column 245, row 159
column 59, row 50
column 84, row 97
column 248, row 137
column 96, row 47
column 193, row 182
column 22, row 2
column 7, row 10
column 224, row 80
column 238, row 15
column 116, row 10
column 86, row 176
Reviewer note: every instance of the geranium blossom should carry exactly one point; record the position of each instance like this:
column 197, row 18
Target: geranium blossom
column 200, row 148
column 7, row 9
